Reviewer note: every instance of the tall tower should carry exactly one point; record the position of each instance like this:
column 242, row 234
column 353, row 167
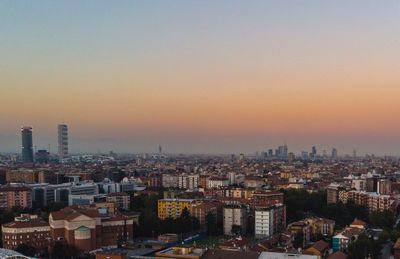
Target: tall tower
column 62, row 141
column 159, row 149
column 27, row 145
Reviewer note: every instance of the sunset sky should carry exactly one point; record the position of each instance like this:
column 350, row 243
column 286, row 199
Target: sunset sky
column 202, row 76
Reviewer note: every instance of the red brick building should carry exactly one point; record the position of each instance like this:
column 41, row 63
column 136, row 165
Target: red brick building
column 88, row 230
column 27, row 229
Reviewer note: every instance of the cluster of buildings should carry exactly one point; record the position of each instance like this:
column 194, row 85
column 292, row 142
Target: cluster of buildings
column 243, row 193
column 85, row 227
column 370, row 190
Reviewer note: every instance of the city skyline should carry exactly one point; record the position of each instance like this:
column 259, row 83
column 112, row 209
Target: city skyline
column 201, row 77
column 279, row 151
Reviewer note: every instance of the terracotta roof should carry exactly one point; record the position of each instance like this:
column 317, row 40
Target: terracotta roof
column 349, row 232
column 320, row 245
column 338, row 255
column 26, row 224
column 235, row 242
column 70, row 213
column 397, row 244
column 358, row 222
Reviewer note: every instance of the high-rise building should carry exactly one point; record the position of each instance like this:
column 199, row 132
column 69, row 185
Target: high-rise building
column 27, row 145
column 313, row 154
column 334, row 153
column 62, row 141
column 269, row 220
column 234, row 216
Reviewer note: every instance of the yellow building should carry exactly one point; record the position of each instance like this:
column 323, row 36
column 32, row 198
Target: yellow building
column 172, row 208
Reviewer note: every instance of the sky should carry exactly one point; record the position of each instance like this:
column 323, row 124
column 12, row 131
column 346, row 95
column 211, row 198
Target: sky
column 201, row 76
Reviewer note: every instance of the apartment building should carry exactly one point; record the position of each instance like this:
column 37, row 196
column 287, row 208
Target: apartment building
column 172, row 208
column 269, row 220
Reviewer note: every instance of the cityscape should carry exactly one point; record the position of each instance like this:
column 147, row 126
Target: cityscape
column 199, row 129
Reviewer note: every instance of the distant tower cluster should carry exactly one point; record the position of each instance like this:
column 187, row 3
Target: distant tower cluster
column 62, row 141
column 27, row 145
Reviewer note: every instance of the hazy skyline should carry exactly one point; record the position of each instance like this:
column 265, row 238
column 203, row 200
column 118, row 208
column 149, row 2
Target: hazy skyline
column 201, row 76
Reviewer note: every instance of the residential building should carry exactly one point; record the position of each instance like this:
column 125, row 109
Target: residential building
column 172, row 208
column 217, row 182
column 234, row 216
column 122, row 199
column 15, row 196
column 269, row 220
column 22, row 175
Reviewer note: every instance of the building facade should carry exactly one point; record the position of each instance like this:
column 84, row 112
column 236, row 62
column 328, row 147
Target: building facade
column 234, row 216
column 26, row 229
column 172, row 208
column 15, row 196
column 62, row 141
column 88, row 230
column 269, row 220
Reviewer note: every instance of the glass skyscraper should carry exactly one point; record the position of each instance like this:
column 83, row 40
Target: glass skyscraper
column 27, row 145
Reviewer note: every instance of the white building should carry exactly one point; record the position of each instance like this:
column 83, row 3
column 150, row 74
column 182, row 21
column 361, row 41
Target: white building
column 234, row 215
column 269, row 221
column 217, row 182
column 170, row 181
column 188, row 182
column 62, row 141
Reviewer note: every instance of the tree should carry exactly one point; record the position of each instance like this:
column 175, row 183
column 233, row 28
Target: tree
column 382, row 219
column 298, row 241
column 63, row 250
column 236, row 230
column 211, row 224
column 26, row 250
column 364, row 247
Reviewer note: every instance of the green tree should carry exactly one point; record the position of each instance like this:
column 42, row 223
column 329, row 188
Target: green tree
column 211, row 224
column 382, row 219
column 236, row 230
column 364, row 247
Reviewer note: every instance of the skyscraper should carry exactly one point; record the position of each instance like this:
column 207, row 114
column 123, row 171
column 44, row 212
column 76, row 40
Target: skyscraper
column 62, row 141
column 27, row 145
column 334, row 153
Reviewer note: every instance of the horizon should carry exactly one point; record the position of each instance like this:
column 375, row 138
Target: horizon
column 201, row 77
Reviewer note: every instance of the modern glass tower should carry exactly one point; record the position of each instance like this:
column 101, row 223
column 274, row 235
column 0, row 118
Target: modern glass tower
column 62, row 141
column 27, row 145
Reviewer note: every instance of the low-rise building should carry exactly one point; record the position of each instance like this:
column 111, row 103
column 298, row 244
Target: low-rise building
column 26, row 229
